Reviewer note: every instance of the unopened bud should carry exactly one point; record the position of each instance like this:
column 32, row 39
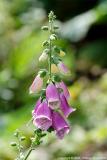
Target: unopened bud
column 53, row 37
column 56, row 78
column 54, row 68
column 51, row 16
column 45, row 43
column 13, row 144
column 56, row 27
column 43, row 134
column 56, row 49
column 16, row 133
column 45, row 28
column 44, row 55
column 22, row 138
column 42, row 73
column 62, row 53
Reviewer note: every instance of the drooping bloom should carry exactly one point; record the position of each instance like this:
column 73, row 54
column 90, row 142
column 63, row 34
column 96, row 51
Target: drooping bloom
column 60, row 125
column 64, row 88
column 36, row 107
column 37, row 84
column 42, row 116
column 66, row 109
column 62, row 68
column 52, row 96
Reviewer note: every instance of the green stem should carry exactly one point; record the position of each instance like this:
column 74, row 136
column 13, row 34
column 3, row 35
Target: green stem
column 30, row 150
column 50, row 74
column 19, row 145
column 50, row 53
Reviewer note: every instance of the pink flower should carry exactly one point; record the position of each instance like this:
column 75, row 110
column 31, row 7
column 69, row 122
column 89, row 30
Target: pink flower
column 37, row 84
column 64, row 88
column 52, row 96
column 62, row 68
column 60, row 125
column 36, row 107
column 42, row 116
column 66, row 109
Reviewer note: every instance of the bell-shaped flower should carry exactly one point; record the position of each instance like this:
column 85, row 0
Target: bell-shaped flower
column 66, row 109
column 64, row 88
column 63, row 68
column 43, row 118
column 36, row 107
column 52, row 96
column 37, row 84
column 60, row 125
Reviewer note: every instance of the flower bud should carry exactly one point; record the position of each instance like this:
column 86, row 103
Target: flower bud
column 37, row 84
column 62, row 68
column 37, row 131
column 43, row 135
column 44, row 55
column 45, row 44
column 62, row 53
column 42, row 73
column 53, row 37
column 16, row 134
column 51, row 16
column 22, row 138
column 56, row 49
column 45, row 28
column 56, row 27
column 54, row 68
column 13, row 144
column 56, row 78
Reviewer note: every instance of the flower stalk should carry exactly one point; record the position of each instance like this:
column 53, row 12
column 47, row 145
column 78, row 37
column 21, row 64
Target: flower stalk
column 50, row 43
column 52, row 108
column 50, row 60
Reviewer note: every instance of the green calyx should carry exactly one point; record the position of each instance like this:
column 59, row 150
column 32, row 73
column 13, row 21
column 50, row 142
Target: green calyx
column 13, row 144
column 55, row 59
column 22, row 138
column 45, row 44
column 42, row 73
column 56, row 78
column 53, row 37
column 56, row 49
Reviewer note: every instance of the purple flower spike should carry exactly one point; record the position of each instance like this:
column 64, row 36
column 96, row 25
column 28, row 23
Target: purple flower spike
column 60, row 125
column 64, row 88
column 42, row 118
column 66, row 109
column 52, row 96
column 36, row 85
column 62, row 68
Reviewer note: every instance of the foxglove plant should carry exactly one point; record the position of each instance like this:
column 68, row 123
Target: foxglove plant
column 52, row 108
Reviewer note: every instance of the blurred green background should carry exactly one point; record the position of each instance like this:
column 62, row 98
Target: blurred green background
column 83, row 29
